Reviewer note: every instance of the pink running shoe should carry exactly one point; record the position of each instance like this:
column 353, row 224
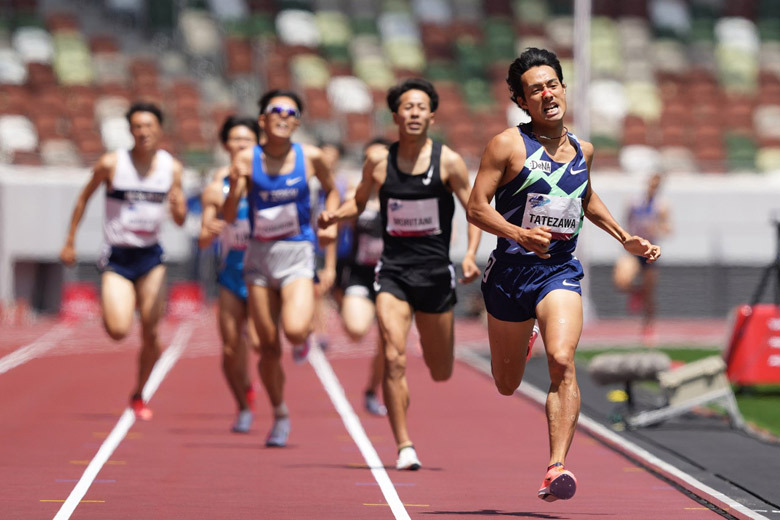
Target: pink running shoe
column 140, row 409
column 557, row 484
column 301, row 352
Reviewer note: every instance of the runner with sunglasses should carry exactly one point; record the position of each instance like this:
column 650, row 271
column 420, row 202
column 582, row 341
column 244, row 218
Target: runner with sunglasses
column 235, row 135
column 416, row 179
column 279, row 261
column 539, row 174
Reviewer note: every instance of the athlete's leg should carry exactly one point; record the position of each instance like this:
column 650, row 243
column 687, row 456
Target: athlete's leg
column 232, row 317
column 150, row 291
column 395, row 319
column 264, row 311
column 649, row 283
column 297, row 317
column 560, row 320
column 508, row 348
column 357, row 314
column 437, row 340
column 117, row 299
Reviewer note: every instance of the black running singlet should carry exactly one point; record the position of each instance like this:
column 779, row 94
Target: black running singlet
column 416, row 213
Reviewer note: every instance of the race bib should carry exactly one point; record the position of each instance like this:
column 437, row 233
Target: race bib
column 277, row 222
column 142, row 217
column 413, row 218
column 561, row 214
column 369, row 250
column 236, row 235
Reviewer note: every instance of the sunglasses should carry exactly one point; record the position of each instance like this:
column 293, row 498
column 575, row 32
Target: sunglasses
column 283, row 110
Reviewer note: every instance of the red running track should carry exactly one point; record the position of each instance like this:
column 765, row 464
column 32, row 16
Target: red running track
column 483, row 455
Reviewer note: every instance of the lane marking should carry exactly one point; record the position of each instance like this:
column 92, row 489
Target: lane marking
column 126, row 420
column 83, row 501
column 108, row 462
column 29, row 352
column 336, row 392
column 406, row 505
column 594, row 428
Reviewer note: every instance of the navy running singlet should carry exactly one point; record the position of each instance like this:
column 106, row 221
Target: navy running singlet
column 544, row 193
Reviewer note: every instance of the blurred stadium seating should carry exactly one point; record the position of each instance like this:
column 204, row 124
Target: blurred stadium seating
column 686, row 85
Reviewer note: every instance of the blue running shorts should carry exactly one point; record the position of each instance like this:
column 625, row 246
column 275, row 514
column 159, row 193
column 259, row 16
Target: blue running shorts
column 513, row 290
column 130, row 262
column 232, row 279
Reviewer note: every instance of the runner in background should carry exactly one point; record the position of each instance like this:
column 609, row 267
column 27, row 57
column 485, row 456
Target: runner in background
column 649, row 217
column 142, row 185
column 416, row 179
column 235, row 135
column 279, row 261
column 354, row 289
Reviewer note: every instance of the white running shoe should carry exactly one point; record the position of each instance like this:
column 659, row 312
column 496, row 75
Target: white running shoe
column 243, row 422
column 301, row 352
column 277, row 437
column 407, row 459
column 373, row 406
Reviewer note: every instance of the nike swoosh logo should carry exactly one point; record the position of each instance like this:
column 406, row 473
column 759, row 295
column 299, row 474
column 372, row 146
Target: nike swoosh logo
column 575, row 172
column 290, row 182
column 570, row 284
column 427, row 180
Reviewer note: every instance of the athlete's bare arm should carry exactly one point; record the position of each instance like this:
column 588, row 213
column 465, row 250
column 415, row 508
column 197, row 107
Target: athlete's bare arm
column 176, row 200
column 374, row 170
column 102, row 173
column 456, row 176
column 211, row 200
column 596, row 211
column 240, row 176
column 503, row 158
column 326, row 234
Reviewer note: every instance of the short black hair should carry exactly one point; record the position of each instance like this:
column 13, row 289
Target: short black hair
column 395, row 93
column 531, row 57
column 279, row 92
column 233, row 121
column 143, row 106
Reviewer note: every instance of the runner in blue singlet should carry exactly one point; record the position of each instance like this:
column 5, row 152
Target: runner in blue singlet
column 539, row 176
column 236, row 134
column 279, row 261
column 648, row 216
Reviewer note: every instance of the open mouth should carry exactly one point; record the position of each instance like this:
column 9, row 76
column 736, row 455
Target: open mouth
column 551, row 110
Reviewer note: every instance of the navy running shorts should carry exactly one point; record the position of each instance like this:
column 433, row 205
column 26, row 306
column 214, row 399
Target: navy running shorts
column 513, row 290
column 130, row 262
column 426, row 288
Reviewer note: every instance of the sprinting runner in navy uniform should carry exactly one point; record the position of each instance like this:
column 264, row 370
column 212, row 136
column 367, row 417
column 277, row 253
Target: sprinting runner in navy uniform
column 142, row 185
column 539, row 176
column 236, row 134
column 279, row 261
column 416, row 180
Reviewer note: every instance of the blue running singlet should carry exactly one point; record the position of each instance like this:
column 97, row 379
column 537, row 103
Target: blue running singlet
column 280, row 205
column 232, row 246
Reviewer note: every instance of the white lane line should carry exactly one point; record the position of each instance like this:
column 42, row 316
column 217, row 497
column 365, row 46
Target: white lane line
column 607, row 435
column 36, row 348
column 336, row 392
column 126, row 420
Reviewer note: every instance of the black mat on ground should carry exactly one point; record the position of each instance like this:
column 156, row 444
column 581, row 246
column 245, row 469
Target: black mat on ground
column 739, row 465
